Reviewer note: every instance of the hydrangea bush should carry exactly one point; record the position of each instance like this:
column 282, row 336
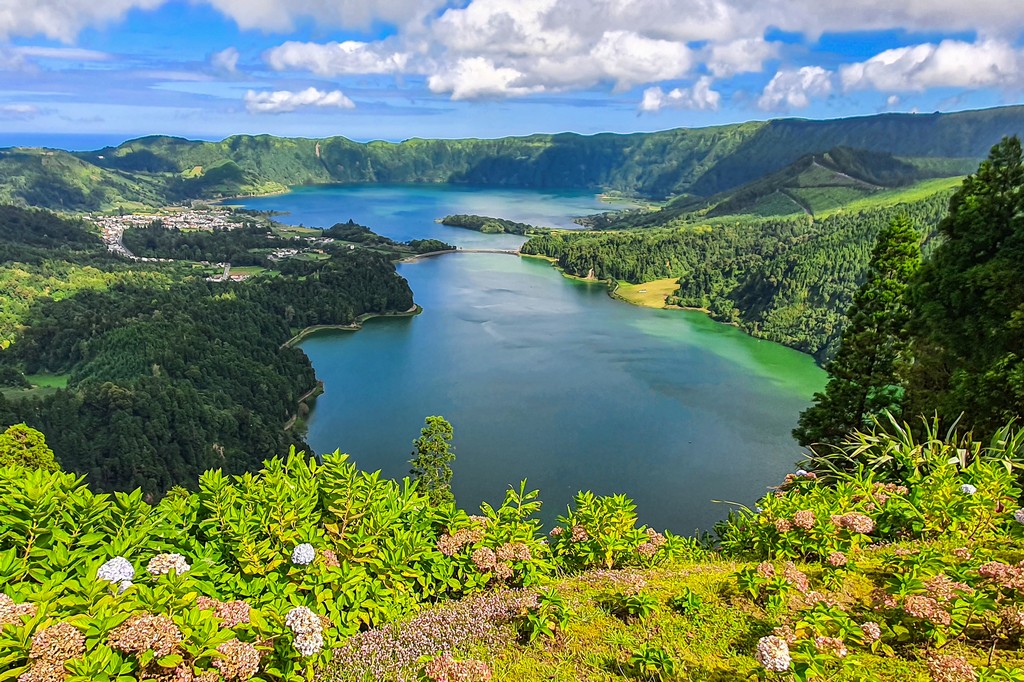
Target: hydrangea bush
column 265, row 575
column 256, row 576
column 824, row 519
column 935, row 530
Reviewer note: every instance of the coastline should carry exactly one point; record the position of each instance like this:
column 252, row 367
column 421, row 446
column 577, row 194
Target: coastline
column 352, row 327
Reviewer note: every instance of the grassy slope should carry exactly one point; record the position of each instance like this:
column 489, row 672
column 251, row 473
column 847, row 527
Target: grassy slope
column 894, row 197
column 714, row 644
column 60, row 180
column 648, row 294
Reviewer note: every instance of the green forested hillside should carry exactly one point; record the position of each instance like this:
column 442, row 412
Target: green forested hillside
column 48, row 257
column 166, row 381
column 816, row 184
column 488, row 225
column 62, row 181
column 701, row 162
column 157, row 374
column 785, row 279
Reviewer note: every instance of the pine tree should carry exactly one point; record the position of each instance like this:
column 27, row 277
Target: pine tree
column 864, row 377
column 969, row 302
column 431, row 460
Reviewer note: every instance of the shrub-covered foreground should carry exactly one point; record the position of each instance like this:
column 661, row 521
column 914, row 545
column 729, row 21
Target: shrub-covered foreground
column 262, row 575
column 910, row 567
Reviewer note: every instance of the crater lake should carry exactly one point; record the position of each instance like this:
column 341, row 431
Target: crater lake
column 544, row 377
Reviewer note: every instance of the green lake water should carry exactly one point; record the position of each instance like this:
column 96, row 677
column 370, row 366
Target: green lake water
column 544, row 377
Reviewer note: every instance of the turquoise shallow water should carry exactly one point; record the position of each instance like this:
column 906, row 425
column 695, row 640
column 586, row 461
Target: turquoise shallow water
column 547, row 378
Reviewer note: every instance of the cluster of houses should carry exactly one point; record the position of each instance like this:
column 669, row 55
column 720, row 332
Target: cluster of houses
column 209, row 220
column 113, row 227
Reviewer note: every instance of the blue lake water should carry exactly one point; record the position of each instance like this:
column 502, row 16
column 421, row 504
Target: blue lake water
column 544, row 377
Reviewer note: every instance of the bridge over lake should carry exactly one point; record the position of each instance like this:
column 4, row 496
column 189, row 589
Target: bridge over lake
column 431, row 254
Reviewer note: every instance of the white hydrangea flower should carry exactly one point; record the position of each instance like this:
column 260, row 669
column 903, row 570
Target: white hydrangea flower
column 968, row 489
column 162, row 564
column 303, row 554
column 801, row 472
column 309, row 644
column 125, row 584
column 773, row 654
column 116, row 570
column 1019, row 516
column 302, row 620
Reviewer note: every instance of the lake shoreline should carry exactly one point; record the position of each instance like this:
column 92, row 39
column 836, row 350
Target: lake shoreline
column 351, row 327
column 311, row 394
column 506, row 352
column 613, row 287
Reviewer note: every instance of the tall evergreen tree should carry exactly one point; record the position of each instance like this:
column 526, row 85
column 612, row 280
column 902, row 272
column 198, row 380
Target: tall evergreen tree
column 864, row 377
column 969, row 301
column 432, row 460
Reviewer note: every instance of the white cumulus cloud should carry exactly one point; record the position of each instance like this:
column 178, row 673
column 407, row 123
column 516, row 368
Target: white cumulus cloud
column 794, row 88
column 699, row 96
column 718, row 21
column 334, row 59
column 746, row 55
column 628, row 59
column 281, row 101
column 507, row 48
column 282, row 15
column 951, row 63
column 476, row 78
column 63, row 19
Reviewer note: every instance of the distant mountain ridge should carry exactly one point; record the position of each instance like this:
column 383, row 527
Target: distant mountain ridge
column 702, row 162
column 815, row 183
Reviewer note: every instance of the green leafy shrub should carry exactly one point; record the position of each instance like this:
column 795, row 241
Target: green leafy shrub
column 651, row 662
column 630, row 606
column 277, row 567
column 687, row 603
column 601, row 531
column 900, row 490
column 549, row 617
column 931, row 531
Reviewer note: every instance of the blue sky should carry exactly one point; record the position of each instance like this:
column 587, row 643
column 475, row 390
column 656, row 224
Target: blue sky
column 393, row 69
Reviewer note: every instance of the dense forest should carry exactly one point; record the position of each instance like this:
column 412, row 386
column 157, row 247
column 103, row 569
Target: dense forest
column 169, row 374
column 785, row 279
column 700, row 162
column 240, row 246
column 487, row 224
column 46, row 256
